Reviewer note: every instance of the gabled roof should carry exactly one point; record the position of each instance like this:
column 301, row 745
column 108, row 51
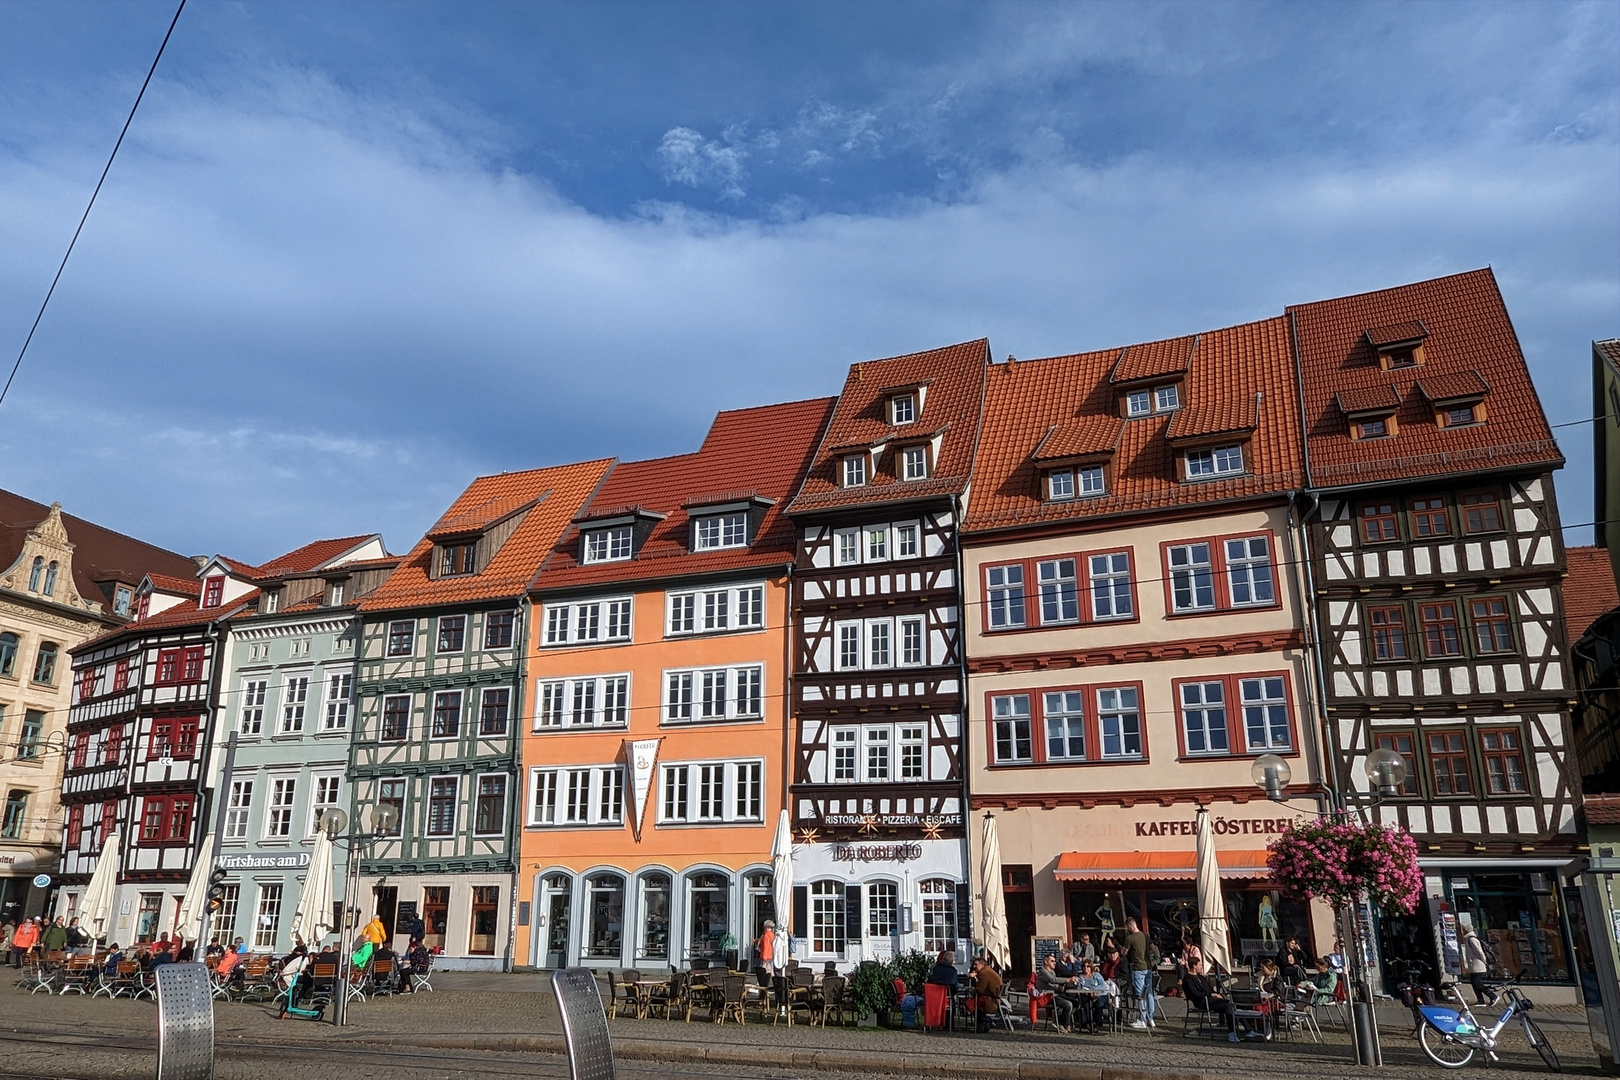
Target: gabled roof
column 1083, row 436
column 99, row 554
column 179, row 586
column 481, row 517
column 313, row 556
column 1468, row 331
column 1401, row 333
column 1154, row 360
column 1589, row 589
column 561, row 489
column 1355, row 400
column 952, row 410
column 1453, row 386
column 756, row 456
column 1227, row 371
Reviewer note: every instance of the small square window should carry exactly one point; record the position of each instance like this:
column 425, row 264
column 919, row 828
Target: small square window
column 1481, row 512
column 903, row 408
column 914, row 463
column 1167, row 398
column 1460, row 417
column 1091, row 480
column 855, row 470
column 1374, row 429
column 1060, row 485
column 608, row 545
column 1139, row 403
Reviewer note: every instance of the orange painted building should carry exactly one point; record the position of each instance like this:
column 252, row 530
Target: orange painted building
column 656, row 754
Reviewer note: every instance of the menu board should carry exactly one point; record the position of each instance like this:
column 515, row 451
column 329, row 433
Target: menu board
column 1042, row 947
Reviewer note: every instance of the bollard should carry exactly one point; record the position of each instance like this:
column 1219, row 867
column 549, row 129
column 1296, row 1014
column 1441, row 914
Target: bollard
column 185, row 1001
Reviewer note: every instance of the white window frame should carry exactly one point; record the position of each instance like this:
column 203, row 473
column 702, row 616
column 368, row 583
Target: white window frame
column 550, row 795
column 1139, row 403
column 320, row 784
column 614, row 544
column 882, row 918
column 1249, row 573
column 1204, row 718
column 1090, row 481
column 827, row 921
column 914, row 462
column 844, row 743
column 294, row 703
column 714, row 532
column 1166, row 398
column 906, row 541
column 339, row 687
column 427, row 807
column 1006, row 613
column 559, row 701
column 911, row 741
column 1006, row 716
column 278, row 816
column 684, row 699
column 847, row 547
column 239, row 809
column 1060, row 485
column 1214, row 461
column 904, row 627
column 715, row 611
column 267, row 908
column 251, row 720
column 852, row 470
column 875, row 546
column 589, row 622
column 1067, row 708
column 1191, row 575
column 879, row 652
column 1116, row 708
column 1270, row 704
column 1107, row 582
column 903, row 409
column 1055, row 588
column 741, row 793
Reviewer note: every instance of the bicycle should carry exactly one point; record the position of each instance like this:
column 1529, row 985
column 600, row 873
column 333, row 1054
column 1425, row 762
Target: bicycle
column 1451, row 1037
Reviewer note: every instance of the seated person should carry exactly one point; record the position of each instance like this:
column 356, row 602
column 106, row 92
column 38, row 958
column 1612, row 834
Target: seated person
column 1084, row 949
column 1269, row 978
column 943, row 973
column 1067, row 966
column 296, row 975
column 1049, row 981
column 1105, row 989
column 1326, row 980
column 417, row 959
column 909, row 1002
column 229, row 968
column 1293, row 959
column 1111, row 961
column 987, row 988
column 110, row 962
column 1200, row 991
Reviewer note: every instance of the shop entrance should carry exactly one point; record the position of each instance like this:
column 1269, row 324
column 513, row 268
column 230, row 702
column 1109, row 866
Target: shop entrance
column 1018, row 894
column 555, row 904
column 385, row 903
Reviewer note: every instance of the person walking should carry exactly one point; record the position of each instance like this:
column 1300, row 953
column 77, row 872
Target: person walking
column 1140, row 965
column 55, row 936
column 1476, row 962
column 7, row 928
column 772, row 950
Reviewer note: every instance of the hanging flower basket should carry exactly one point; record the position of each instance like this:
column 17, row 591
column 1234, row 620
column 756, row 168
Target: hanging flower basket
column 1337, row 859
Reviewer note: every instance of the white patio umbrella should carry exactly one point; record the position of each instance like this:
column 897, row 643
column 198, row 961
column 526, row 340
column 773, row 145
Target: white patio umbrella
column 782, row 876
column 188, row 921
column 995, row 905
column 95, row 909
column 313, row 919
column 1212, row 932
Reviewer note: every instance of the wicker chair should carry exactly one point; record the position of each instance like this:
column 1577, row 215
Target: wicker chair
column 832, row 999
column 729, row 1001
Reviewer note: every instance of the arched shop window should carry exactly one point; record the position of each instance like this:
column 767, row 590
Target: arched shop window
column 710, row 905
column 827, row 917
column 604, row 927
column 939, row 914
column 654, row 917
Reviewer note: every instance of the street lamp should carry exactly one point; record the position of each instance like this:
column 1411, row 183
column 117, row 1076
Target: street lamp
column 1387, row 771
column 332, row 822
column 1272, row 773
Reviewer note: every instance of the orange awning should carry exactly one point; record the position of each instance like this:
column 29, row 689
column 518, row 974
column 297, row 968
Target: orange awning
column 1154, row 865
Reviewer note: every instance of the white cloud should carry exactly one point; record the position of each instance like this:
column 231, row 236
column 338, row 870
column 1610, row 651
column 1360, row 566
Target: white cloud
column 688, row 158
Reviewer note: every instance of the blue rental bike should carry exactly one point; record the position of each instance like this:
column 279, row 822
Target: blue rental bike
column 1451, row 1036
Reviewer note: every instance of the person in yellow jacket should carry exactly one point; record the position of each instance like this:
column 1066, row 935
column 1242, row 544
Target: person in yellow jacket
column 374, row 932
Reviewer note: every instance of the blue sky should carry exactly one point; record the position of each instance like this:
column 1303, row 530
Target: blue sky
column 353, row 255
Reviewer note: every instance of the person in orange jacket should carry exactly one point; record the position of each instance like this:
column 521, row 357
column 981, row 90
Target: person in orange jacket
column 24, row 939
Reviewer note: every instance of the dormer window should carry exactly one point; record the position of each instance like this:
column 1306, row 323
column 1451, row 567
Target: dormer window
column 145, row 607
column 334, row 594
column 1373, row 429
column 457, row 559
column 1399, row 346
column 914, row 463
column 903, row 409
column 609, row 545
column 123, row 598
column 1153, row 401
column 213, row 592
column 1077, row 483
column 1403, row 357
column 855, row 470
column 720, row 531
column 1212, row 461
column 272, row 601
column 1462, row 416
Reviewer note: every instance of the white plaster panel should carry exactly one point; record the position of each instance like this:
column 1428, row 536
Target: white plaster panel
column 1448, row 559
column 1524, row 519
column 1340, row 536
column 1431, row 681
column 1500, row 558
column 1397, row 562
column 1403, row 683
column 1526, row 816
column 1337, row 612
column 1496, row 819
column 1513, row 678
column 1485, row 678
column 1369, row 564
column 1335, row 569
column 1351, row 644
column 1544, row 552
column 1553, row 679
column 1554, row 724
column 1469, row 818
column 1380, row 683
column 1419, row 818
column 1532, row 491
column 1460, row 682
column 1342, row 686
column 1541, row 599
column 1421, row 564
column 1535, row 639
column 1547, row 773
column 1476, row 556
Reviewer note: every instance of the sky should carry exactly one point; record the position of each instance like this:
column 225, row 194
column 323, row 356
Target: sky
column 353, row 255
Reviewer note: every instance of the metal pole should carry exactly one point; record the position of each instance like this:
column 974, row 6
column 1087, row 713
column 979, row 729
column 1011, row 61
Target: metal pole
column 224, row 799
column 351, row 879
column 1363, row 1015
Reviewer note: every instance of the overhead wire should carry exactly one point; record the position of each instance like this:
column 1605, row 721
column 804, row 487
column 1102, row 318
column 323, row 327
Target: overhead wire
column 86, row 215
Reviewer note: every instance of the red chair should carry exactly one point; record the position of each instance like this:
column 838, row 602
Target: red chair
column 1037, row 1002
column 936, row 1006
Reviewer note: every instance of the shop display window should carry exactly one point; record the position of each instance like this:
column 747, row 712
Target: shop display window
column 1520, row 919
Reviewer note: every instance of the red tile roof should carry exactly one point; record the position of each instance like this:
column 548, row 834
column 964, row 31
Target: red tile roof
column 1228, row 414
column 480, row 517
column 1398, row 334
column 1468, row 330
column 561, row 489
column 1154, row 360
column 761, row 452
column 1084, row 436
column 1368, row 399
column 1227, row 371
column 1602, row 809
column 1609, row 348
column 1453, row 386
column 99, row 555
column 953, row 403
column 304, row 559
column 1589, row 589
column 182, row 586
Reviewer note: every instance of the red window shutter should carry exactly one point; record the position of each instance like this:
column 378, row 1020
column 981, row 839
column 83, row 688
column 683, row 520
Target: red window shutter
column 168, row 665
column 87, row 682
column 113, row 744
column 179, row 818
column 194, row 664
column 121, row 675
column 109, row 820
column 81, row 749
column 213, row 592
column 153, row 811
column 75, row 826
column 185, row 740
column 159, row 745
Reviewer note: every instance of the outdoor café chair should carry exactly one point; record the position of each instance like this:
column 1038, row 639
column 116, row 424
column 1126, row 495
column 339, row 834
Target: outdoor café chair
column 733, row 992
column 832, row 999
column 668, row 997
column 936, row 1007
column 359, row 983
column 382, row 978
column 422, row 977
column 38, row 974
column 77, row 974
column 584, row 1022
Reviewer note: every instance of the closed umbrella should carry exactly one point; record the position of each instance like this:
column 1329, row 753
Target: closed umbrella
column 995, row 905
column 188, row 921
column 313, row 919
column 782, row 877
column 1212, row 932
column 95, row 910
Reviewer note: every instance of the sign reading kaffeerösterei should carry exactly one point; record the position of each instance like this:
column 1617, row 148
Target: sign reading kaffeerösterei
column 1220, row 826
column 266, row 860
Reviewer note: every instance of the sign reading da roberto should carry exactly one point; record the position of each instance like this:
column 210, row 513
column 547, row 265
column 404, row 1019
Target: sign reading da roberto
column 266, row 860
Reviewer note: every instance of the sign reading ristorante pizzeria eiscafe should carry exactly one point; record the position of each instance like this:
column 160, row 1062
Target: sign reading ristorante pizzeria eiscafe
column 266, row 860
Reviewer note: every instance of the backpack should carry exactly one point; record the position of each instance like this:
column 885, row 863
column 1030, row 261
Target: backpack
column 1154, row 956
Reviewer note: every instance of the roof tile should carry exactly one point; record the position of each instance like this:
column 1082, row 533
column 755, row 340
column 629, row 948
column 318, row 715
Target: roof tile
column 1368, row 399
column 1397, row 333
column 1453, row 386
column 1084, row 436
column 1468, row 330
column 1589, row 589
column 311, row 555
column 1154, row 360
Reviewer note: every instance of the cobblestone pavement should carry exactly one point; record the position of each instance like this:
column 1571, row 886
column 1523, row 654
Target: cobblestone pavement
column 458, row 1032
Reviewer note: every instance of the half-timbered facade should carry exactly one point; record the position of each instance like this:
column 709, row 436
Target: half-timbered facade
column 144, row 747
column 288, row 693
column 655, row 759
column 1436, row 557
column 877, row 801
column 440, row 701
column 62, row 581
column 1135, row 637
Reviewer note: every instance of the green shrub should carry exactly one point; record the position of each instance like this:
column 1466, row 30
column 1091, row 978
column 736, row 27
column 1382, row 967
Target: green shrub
column 871, row 987
column 914, row 967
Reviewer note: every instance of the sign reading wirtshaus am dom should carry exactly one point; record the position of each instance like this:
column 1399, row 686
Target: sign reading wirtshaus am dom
column 266, row 860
